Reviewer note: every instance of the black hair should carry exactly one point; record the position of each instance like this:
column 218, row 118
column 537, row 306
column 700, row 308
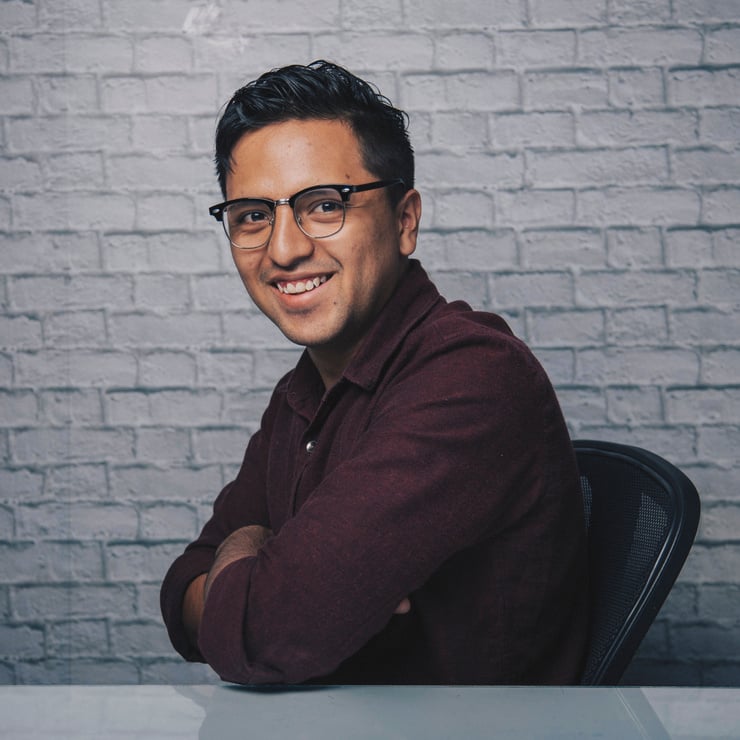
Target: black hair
column 320, row 90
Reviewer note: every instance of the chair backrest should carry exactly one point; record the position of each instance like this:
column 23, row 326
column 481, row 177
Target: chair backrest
column 642, row 514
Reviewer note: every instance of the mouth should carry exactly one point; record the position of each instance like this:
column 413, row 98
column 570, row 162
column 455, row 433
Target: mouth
column 300, row 286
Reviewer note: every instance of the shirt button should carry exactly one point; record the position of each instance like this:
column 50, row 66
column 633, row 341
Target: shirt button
column 311, row 446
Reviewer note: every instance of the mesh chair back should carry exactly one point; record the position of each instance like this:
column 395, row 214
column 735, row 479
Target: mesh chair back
column 642, row 514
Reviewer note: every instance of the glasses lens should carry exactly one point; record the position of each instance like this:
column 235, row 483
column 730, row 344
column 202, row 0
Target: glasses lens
column 248, row 223
column 320, row 212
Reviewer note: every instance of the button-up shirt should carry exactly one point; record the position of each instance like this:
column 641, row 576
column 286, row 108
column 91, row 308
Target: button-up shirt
column 438, row 468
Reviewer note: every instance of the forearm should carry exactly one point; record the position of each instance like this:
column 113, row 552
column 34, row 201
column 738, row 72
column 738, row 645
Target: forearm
column 192, row 608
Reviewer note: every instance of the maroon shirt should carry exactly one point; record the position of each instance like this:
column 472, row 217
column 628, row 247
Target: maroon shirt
column 439, row 468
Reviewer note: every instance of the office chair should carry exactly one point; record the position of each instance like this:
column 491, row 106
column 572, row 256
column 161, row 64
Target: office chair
column 642, row 514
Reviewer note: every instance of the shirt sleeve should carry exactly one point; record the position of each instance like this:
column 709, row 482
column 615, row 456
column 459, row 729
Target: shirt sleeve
column 240, row 503
column 453, row 454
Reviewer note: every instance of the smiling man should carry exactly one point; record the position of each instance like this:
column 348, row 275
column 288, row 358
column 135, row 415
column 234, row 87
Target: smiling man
column 409, row 511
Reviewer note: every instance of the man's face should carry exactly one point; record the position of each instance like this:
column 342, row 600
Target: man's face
column 354, row 271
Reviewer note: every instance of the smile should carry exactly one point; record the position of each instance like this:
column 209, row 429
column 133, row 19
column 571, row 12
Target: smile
column 301, row 286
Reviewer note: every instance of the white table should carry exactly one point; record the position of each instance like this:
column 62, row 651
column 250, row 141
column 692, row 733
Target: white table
column 420, row 712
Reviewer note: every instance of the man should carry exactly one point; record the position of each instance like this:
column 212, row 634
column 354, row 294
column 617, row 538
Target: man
column 409, row 511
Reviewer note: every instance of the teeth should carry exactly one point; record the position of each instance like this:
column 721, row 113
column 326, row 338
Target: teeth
column 301, row 286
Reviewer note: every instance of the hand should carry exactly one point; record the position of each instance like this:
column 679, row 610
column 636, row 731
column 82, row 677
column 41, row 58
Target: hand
column 243, row 542
column 404, row 607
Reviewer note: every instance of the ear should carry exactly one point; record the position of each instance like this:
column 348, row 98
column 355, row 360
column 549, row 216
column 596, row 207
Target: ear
column 408, row 212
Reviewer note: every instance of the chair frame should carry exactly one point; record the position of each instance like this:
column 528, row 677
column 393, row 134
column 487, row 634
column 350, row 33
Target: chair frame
column 667, row 565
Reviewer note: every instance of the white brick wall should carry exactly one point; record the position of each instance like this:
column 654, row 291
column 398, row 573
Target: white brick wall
column 580, row 169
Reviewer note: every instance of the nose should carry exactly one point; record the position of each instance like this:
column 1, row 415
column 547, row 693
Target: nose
column 288, row 244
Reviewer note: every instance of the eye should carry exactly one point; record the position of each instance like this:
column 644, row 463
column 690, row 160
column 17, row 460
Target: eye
column 248, row 216
column 320, row 205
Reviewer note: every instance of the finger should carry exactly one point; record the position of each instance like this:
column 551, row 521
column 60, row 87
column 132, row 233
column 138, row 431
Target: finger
column 404, row 607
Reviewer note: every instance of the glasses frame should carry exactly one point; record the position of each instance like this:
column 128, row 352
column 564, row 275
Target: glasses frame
column 217, row 211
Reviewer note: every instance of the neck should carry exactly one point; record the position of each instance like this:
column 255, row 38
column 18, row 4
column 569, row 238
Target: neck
column 330, row 364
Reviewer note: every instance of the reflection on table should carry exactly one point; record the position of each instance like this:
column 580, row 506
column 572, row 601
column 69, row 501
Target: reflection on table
column 355, row 712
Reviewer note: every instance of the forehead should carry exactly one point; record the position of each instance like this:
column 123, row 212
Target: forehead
column 282, row 158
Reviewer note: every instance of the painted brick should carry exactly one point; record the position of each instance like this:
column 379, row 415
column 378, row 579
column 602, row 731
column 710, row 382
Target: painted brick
column 721, row 206
column 50, row 562
column 636, row 88
column 632, row 248
column 642, row 366
column 686, row 10
column 633, row 47
column 720, row 125
column 566, row 328
column 638, row 206
column 689, row 248
column 151, row 330
column 157, row 133
column 514, row 130
column 21, row 642
column 703, row 406
column 76, row 481
column 179, row 252
column 70, row 291
column 220, row 445
column 455, row 131
column 227, row 369
column 20, row 174
column 145, row 171
column 272, row 365
column 465, row 91
column 163, row 407
column 726, row 252
column 706, row 166
column 532, row 208
column 458, row 51
column 698, row 87
column 629, row 326
column 535, row 289
column 19, row 15
column 719, row 603
column 563, row 248
column 67, row 132
column 163, row 54
column 375, row 50
column 16, row 94
column 704, row 326
column 162, row 446
column 36, row 602
column 20, row 332
column 18, row 408
column 162, row 521
column 639, row 11
column 464, row 13
column 38, row 53
column 67, row 171
column 66, row 94
column 463, row 286
column 76, row 329
column 136, row 563
column 620, row 128
column 20, row 483
column 635, row 288
column 162, row 369
column 52, row 368
column 162, row 292
column 531, row 49
column 597, row 167
column 59, row 445
column 483, row 170
column 634, row 405
column 720, row 443
column 174, row 483
column 73, row 406
column 90, row 671
column 139, row 638
column 455, row 210
column 567, row 12
column 561, row 90
column 77, row 520
column 100, row 54
column 718, row 524
column 721, row 366
column 24, row 253
column 719, row 286
column 78, row 638
column 94, row 211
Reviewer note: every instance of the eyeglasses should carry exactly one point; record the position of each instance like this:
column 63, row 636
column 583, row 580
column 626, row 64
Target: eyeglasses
column 319, row 211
